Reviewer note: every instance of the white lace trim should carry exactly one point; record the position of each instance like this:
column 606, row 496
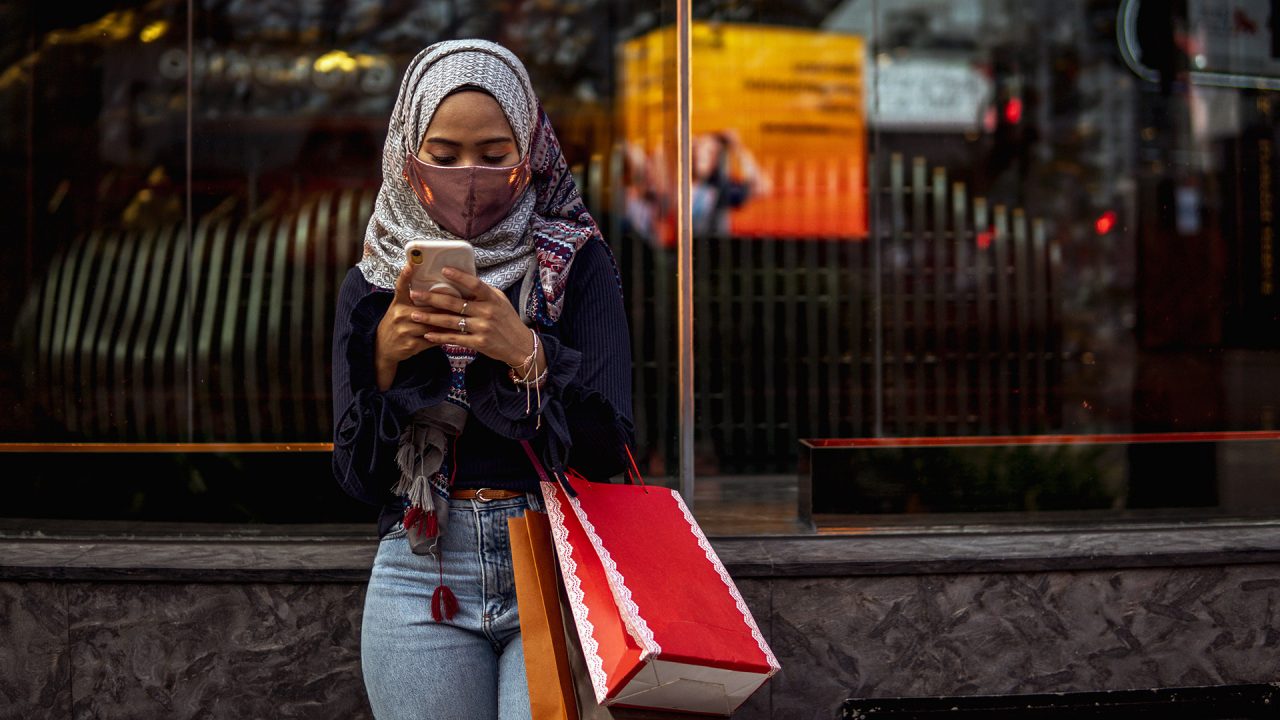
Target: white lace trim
column 573, row 587
column 728, row 581
column 636, row 625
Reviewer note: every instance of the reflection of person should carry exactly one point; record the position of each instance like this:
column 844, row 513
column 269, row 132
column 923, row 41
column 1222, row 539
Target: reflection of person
column 644, row 193
column 716, row 188
column 433, row 393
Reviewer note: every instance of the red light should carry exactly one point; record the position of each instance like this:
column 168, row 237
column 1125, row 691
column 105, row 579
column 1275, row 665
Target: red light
column 984, row 239
column 1013, row 111
column 989, row 119
column 1105, row 223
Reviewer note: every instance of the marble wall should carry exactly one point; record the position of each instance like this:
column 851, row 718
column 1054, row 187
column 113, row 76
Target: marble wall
column 932, row 635
column 134, row 650
column 35, row 667
column 291, row 650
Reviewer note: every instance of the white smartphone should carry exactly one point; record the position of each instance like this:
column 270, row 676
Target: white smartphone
column 430, row 257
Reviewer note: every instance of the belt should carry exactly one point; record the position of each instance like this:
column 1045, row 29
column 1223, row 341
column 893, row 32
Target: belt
column 484, row 494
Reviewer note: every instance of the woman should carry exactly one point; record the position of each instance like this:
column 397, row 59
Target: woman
column 716, row 188
column 433, row 395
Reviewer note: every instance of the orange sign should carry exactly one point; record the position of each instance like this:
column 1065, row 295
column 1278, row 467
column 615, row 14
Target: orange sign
column 779, row 131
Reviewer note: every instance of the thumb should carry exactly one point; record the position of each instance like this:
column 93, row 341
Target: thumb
column 402, row 283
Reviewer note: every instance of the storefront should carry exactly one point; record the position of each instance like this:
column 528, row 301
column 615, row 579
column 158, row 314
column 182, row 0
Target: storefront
column 954, row 322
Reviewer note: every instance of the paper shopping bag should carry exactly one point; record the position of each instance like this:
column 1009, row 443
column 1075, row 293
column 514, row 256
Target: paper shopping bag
column 660, row 622
column 588, row 708
column 546, row 661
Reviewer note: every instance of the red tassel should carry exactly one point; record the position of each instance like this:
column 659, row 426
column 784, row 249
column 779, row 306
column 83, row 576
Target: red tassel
column 425, row 522
column 411, row 516
column 443, row 604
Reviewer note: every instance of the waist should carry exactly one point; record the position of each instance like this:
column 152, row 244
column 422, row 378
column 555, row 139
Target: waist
column 485, row 494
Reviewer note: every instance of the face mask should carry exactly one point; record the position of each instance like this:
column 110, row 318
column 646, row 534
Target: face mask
column 466, row 201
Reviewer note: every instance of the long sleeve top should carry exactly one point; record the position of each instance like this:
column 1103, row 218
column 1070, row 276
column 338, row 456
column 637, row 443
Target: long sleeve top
column 586, row 401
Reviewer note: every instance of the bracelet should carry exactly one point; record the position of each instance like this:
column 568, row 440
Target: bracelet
column 531, row 385
column 534, row 382
column 532, row 356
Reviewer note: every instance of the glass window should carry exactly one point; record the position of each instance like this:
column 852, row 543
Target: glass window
column 951, row 259
column 191, row 181
column 1048, row 288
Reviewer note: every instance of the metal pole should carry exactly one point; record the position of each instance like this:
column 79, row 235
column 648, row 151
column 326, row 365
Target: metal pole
column 684, row 248
column 188, row 301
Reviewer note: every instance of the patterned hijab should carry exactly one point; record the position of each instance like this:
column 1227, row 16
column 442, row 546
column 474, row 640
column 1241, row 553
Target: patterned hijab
column 534, row 245
column 502, row 254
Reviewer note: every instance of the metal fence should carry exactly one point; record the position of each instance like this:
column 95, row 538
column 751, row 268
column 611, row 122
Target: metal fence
column 945, row 321
column 222, row 334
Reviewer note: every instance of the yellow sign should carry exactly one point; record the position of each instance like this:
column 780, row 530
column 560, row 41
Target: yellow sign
column 779, row 131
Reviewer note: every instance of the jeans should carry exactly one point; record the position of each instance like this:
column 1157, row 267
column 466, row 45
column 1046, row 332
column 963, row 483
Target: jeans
column 470, row 667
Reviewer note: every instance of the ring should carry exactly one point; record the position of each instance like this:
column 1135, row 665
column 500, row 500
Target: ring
column 464, row 307
column 462, row 326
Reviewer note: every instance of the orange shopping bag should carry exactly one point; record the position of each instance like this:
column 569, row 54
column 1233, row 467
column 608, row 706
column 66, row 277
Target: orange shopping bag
column 546, row 660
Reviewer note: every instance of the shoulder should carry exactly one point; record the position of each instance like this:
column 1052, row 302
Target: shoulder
column 594, row 289
column 354, row 286
column 354, row 281
column 593, row 264
column 359, row 301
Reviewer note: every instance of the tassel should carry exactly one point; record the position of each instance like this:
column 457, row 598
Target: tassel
column 444, row 605
column 415, row 518
column 411, row 517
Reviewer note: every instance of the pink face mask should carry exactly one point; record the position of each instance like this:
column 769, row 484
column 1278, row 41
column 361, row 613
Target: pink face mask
column 466, row 201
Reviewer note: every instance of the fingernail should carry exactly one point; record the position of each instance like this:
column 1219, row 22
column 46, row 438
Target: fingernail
column 431, row 337
column 416, row 317
column 450, row 272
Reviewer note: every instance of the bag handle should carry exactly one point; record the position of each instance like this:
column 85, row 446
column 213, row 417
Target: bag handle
column 633, row 473
column 632, row 469
column 533, row 458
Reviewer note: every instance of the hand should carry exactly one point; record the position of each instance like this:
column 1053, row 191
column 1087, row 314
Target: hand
column 399, row 336
column 493, row 326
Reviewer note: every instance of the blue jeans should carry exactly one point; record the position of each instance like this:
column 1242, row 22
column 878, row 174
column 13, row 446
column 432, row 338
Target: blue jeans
column 470, row 667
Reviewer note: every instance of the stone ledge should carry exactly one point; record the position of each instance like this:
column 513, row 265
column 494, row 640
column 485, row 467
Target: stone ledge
column 344, row 554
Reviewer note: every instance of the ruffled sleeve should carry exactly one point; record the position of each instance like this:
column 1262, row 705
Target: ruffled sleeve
column 367, row 421
column 586, row 400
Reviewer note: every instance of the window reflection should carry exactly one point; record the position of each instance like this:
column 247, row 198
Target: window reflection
column 1069, row 235
column 191, row 189
column 919, row 218
column 193, row 200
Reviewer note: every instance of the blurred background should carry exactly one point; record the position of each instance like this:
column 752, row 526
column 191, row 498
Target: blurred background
column 1002, row 259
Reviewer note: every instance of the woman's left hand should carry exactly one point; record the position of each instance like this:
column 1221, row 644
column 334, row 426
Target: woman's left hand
column 492, row 325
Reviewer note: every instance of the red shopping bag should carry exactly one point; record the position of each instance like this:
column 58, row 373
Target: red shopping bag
column 661, row 623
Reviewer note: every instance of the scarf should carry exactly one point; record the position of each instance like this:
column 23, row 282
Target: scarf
column 534, row 245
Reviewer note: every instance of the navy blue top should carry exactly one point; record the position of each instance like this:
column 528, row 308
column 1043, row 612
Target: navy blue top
column 586, row 401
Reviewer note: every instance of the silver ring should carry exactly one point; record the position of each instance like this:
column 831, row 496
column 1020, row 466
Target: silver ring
column 462, row 325
column 464, row 307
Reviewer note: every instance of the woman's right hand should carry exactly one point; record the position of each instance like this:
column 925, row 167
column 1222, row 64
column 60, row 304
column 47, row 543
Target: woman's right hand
column 400, row 336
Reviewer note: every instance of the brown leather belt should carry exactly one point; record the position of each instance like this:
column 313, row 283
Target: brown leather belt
column 484, row 494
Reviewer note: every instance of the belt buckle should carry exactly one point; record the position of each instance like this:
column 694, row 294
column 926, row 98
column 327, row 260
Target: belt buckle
column 480, row 496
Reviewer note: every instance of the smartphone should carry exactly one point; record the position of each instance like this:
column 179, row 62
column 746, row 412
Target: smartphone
column 430, row 257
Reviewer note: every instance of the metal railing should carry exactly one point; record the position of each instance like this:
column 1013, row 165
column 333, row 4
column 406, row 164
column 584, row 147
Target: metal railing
column 122, row 340
column 122, row 343
column 968, row 317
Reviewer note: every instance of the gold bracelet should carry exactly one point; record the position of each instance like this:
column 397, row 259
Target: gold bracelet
column 531, row 385
column 526, row 381
column 532, row 356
